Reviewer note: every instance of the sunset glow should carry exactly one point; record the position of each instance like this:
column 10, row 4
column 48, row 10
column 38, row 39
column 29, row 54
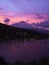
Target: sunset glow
column 29, row 11
column 27, row 18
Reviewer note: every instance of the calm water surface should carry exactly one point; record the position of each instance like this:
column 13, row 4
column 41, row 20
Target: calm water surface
column 25, row 51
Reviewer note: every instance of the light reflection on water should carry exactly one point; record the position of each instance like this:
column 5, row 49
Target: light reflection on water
column 25, row 51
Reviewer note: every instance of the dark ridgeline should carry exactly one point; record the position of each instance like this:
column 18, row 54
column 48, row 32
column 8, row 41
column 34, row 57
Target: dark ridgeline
column 3, row 62
column 42, row 61
column 19, row 63
column 32, row 63
column 10, row 33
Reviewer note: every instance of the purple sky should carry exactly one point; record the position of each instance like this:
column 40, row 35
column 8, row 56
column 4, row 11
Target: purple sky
column 25, row 6
column 31, row 11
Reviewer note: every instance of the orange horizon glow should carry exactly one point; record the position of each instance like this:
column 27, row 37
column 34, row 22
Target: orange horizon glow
column 27, row 18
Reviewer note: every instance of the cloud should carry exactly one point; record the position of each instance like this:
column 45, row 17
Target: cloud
column 44, row 24
column 7, row 20
column 38, row 16
column 42, row 16
column 17, row 17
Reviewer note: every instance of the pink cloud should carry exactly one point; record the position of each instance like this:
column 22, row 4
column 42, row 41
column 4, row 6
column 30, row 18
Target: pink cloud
column 29, row 18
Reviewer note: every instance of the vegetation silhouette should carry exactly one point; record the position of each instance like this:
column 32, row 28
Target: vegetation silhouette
column 44, row 61
column 32, row 63
column 10, row 33
column 19, row 63
column 3, row 62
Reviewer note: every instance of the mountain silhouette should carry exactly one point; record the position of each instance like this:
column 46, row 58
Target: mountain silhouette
column 9, row 33
column 44, row 24
column 23, row 24
column 26, row 25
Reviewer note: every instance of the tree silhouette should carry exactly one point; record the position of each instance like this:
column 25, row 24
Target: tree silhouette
column 3, row 62
column 32, row 63
column 43, row 61
column 19, row 63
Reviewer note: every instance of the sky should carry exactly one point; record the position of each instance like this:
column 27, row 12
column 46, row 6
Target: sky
column 30, row 11
column 26, row 6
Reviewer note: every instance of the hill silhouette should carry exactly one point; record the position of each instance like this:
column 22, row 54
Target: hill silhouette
column 9, row 33
column 25, row 25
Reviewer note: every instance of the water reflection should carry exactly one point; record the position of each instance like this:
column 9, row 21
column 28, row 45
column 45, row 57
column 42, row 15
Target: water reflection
column 25, row 51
